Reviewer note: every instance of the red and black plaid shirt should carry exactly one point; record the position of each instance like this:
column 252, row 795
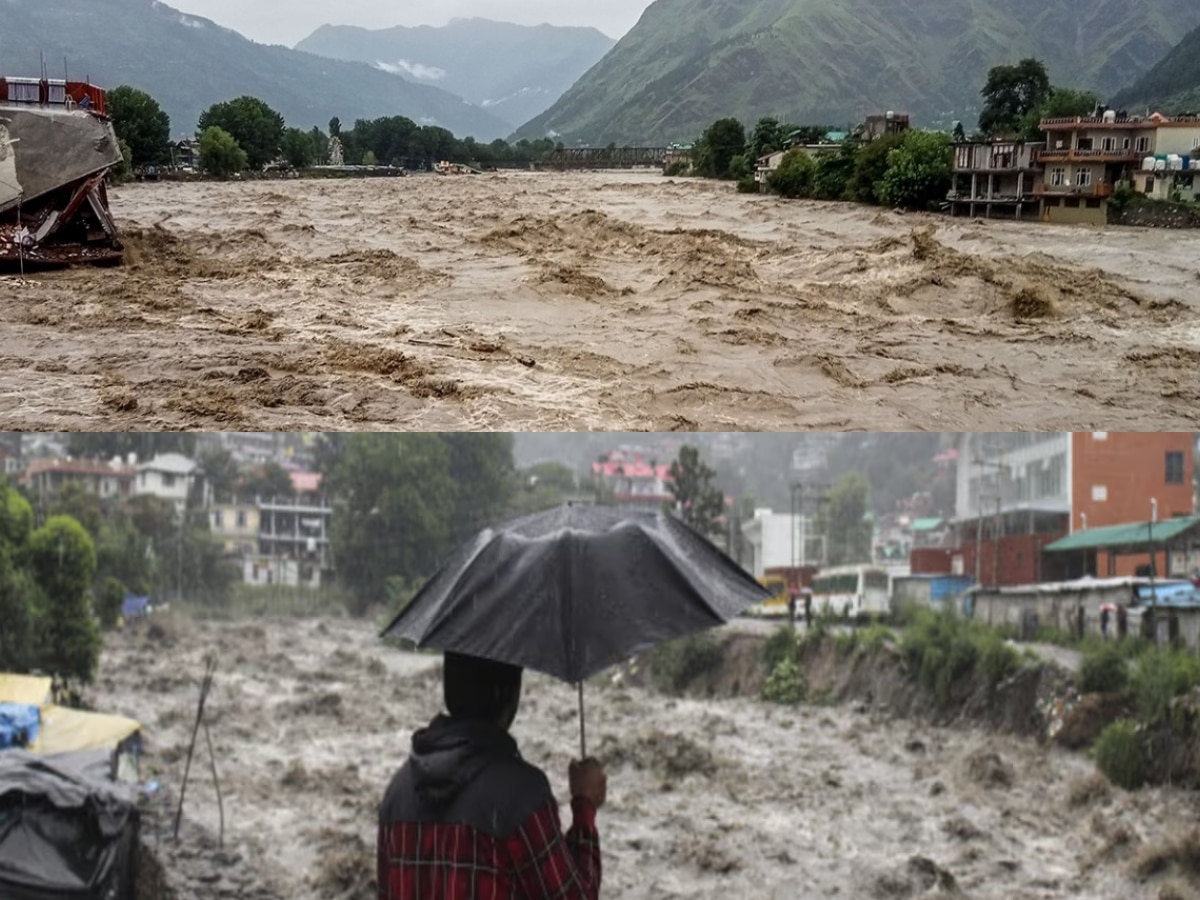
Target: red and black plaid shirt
column 457, row 862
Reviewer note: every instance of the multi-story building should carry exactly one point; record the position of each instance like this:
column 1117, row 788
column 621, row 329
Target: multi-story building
column 1018, row 492
column 169, row 476
column 107, row 480
column 236, row 526
column 1086, row 157
column 294, row 536
column 995, row 179
column 634, row 479
column 778, row 540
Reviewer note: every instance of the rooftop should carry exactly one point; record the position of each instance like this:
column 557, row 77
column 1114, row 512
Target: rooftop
column 171, row 463
column 1131, row 536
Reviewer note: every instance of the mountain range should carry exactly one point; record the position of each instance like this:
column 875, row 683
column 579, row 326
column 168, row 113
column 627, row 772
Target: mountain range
column 689, row 62
column 188, row 63
column 1172, row 86
column 514, row 72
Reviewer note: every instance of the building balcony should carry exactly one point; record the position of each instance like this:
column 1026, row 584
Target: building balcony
column 1091, row 190
column 1068, row 154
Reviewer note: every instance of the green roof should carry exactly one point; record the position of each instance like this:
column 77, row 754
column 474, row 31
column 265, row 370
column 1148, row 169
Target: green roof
column 1132, row 535
column 927, row 524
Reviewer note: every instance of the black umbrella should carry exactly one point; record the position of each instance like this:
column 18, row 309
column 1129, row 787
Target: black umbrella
column 575, row 590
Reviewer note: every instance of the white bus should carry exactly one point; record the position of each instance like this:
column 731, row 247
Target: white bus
column 852, row 592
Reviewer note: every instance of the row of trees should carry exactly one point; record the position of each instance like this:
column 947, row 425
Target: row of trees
column 247, row 134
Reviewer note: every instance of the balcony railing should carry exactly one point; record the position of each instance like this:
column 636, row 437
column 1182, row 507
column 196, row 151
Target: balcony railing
column 1069, row 154
column 1092, row 190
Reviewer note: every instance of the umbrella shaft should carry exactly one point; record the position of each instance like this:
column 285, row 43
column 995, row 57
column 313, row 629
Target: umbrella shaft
column 582, row 727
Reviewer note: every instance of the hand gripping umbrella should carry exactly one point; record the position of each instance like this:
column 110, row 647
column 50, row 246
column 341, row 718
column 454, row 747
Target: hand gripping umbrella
column 575, row 590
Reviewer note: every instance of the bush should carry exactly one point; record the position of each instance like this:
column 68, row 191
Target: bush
column 1158, row 678
column 1121, row 755
column 834, row 172
column 741, row 166
column 919, row 171
column 109, row 600
column 779, row 646
column 675, row 169
column 677, row 665
column 1103, row 671
column 794, row 177
column 748, row 185
column 785, row 685
column 870, row 167
column 943, row 650
column 220, row 154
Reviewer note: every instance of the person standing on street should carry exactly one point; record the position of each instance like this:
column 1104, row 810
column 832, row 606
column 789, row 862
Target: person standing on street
column 466, row 817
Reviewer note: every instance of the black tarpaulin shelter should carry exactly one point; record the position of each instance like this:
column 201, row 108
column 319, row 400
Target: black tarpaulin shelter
column 66, row 829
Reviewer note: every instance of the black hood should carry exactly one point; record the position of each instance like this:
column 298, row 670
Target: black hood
column 451, row 753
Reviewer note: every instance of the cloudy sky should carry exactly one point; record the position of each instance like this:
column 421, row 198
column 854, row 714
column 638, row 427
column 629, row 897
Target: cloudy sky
column 287, row 21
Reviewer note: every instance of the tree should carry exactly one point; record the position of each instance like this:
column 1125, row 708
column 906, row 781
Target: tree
column 141, row 123
column 18, row 598
column 843, row 521
column 256, row 128
column 1010, row 94
column 741, row 166
column 16, row 521
column 960, row 133
column 76, row 501
column 794, row 176
column 122, row 172
column 393, row 519
column 221, row 472
column 698, row 501
column 109, row 600
column 871, row 166
column 220, row 154
column 1062, row 103
column 543, row 486
column 834, row 172
column 919, row 172
column 298, row 148
column 768, row 137
column 481, row 467
column 63, row 558
column 335, row 127
column 724, row 139
column 370, row 159
column 266, row 482
column 145, row 444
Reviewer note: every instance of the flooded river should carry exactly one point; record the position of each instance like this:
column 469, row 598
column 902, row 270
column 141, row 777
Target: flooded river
column 712, row 799
column 596, row 300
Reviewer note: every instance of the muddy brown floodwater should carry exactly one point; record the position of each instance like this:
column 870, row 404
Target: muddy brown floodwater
column 712, row 799
column 597, row 301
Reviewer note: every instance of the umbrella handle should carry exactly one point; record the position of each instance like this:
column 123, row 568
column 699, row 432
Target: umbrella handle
column 582, row 727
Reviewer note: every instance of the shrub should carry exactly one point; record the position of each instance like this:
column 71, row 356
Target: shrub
column 779, row 646
column 1158, row 678
column 748, row 185
column 794, row 177
column 943, row 649
column 1120, row 753
column 741, row 166
column 1103, row 671
column 220, row 154
column 675, row 169
column 785, row 685
column 109, row 600
column 834, row 172
column 675, row 666
column 919, row 171
column 997, row 660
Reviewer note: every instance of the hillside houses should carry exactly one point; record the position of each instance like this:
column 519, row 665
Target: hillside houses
column 1074, row 174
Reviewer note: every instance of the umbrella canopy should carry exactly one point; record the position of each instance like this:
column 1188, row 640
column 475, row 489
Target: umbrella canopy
column 575, row 590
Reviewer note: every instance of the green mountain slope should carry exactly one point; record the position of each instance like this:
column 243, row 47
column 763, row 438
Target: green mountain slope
column 688, row 62
column 514, row 71
column 189, row 63
column 1172, row 86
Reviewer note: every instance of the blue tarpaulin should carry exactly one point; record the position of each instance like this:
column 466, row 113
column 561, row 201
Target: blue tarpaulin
column 19, row 725
column 135, row 606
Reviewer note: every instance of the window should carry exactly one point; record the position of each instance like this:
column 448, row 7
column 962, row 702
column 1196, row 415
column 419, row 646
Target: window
column 1185, row 182
column 1093, row 203
column 241, row 518
column 1084, row 144
column 1083, row 177
column 168, row 480
column 1099, row 493
column 1072, row 203
column 1125, row 144
column 1196, row 143
column 218, row 519
column 1143, row 145
column 1058, row 177
column 1174, row 467
column 1108, row 145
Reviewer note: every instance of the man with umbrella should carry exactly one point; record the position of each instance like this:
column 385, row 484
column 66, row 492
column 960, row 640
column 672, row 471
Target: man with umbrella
column 568, row 593
column 467, row 817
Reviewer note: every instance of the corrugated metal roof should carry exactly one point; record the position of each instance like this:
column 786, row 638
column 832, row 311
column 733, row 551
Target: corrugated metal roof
column 1135, row 534
column 927, row 524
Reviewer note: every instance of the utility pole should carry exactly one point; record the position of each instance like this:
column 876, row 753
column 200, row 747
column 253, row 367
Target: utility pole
column 1153, row 566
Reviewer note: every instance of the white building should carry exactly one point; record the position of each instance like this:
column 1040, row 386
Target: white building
column 1020, row 471
column 169, row 476
column 776, row 540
